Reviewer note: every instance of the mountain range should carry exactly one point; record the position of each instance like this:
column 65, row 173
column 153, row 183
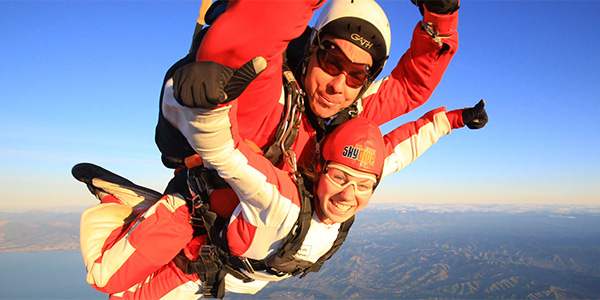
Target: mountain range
column 416, row 252
column 35, row 231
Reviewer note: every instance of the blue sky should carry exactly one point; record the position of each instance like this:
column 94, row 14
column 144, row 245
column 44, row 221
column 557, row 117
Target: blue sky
column 81, row 80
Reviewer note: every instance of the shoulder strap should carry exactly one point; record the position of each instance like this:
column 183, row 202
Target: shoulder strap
column 293, row 241
column 287, row 130
column 341, row 237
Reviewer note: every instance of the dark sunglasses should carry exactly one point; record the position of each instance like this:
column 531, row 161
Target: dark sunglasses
column 334, row 62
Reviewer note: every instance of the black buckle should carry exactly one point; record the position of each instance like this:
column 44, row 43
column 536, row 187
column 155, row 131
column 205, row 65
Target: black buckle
column 197, row 185
column 206, row 264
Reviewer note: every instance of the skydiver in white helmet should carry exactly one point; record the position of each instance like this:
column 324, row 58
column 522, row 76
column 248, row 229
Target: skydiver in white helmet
column 345, row 43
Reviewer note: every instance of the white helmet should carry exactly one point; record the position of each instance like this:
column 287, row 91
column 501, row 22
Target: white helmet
column 361, row 22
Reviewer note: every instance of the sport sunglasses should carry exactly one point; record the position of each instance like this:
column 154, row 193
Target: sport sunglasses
column 342, row 177
column 334, row 62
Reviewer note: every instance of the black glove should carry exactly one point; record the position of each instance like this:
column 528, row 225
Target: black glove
column 475, row 117
column 206, row 84
column 441, row 7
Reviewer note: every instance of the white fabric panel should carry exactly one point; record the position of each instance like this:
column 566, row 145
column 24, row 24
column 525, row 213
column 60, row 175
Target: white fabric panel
column 97, row 223
column 407, row 151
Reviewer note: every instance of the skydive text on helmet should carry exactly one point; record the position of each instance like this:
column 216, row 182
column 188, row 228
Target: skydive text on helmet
column 363, row 42
column 362, row 155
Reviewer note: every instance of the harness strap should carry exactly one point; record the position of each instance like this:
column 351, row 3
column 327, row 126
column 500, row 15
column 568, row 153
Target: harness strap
column 208, row 268
column 342, row 234
column 287, row 131
column 214, row 261
column 293, row 241
column 212, row 179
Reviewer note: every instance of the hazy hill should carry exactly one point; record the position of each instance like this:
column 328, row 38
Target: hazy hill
column 408, row 252
column 38, row 231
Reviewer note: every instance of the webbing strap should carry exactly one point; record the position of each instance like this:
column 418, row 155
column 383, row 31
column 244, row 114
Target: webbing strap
column 341, row 237
column 287, row 130
column 211, row 266
column 208, row 269
column 293, row 241
column 214, row 261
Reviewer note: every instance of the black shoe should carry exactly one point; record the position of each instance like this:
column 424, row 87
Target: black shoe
column 102, row 182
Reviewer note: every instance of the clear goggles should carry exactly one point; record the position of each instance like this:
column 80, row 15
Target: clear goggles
column 334, row 62
column 341, row 177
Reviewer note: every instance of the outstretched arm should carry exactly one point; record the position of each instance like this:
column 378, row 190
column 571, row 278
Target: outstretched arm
column 407, row 142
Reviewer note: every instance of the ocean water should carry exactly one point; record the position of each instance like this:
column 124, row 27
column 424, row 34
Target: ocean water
column 45, row 275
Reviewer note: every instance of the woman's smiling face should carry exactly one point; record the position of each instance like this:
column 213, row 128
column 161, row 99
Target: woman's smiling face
column 342, row 192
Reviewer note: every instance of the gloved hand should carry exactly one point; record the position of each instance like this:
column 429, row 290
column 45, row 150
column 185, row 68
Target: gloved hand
column 441, row 7
column 207, row 84
column 475, row 117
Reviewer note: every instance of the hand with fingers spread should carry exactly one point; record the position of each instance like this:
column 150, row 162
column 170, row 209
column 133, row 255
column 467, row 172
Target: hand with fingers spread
column 207, row 84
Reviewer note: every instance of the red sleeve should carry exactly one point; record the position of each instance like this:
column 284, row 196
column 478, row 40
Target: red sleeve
column 257, row 28
column 455, row 118
column 417, row 74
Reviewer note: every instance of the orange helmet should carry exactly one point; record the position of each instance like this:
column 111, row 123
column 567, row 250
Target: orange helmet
column 357, row 143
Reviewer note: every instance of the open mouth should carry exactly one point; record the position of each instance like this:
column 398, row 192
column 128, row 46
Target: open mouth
column 343, row 208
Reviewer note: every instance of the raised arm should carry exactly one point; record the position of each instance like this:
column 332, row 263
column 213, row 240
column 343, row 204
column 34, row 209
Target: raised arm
column 407, row 142
column 419, row 71
column 248, row 29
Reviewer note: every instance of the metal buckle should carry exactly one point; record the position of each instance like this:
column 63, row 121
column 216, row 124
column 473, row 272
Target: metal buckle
column 275, row 272
column 247, row 265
